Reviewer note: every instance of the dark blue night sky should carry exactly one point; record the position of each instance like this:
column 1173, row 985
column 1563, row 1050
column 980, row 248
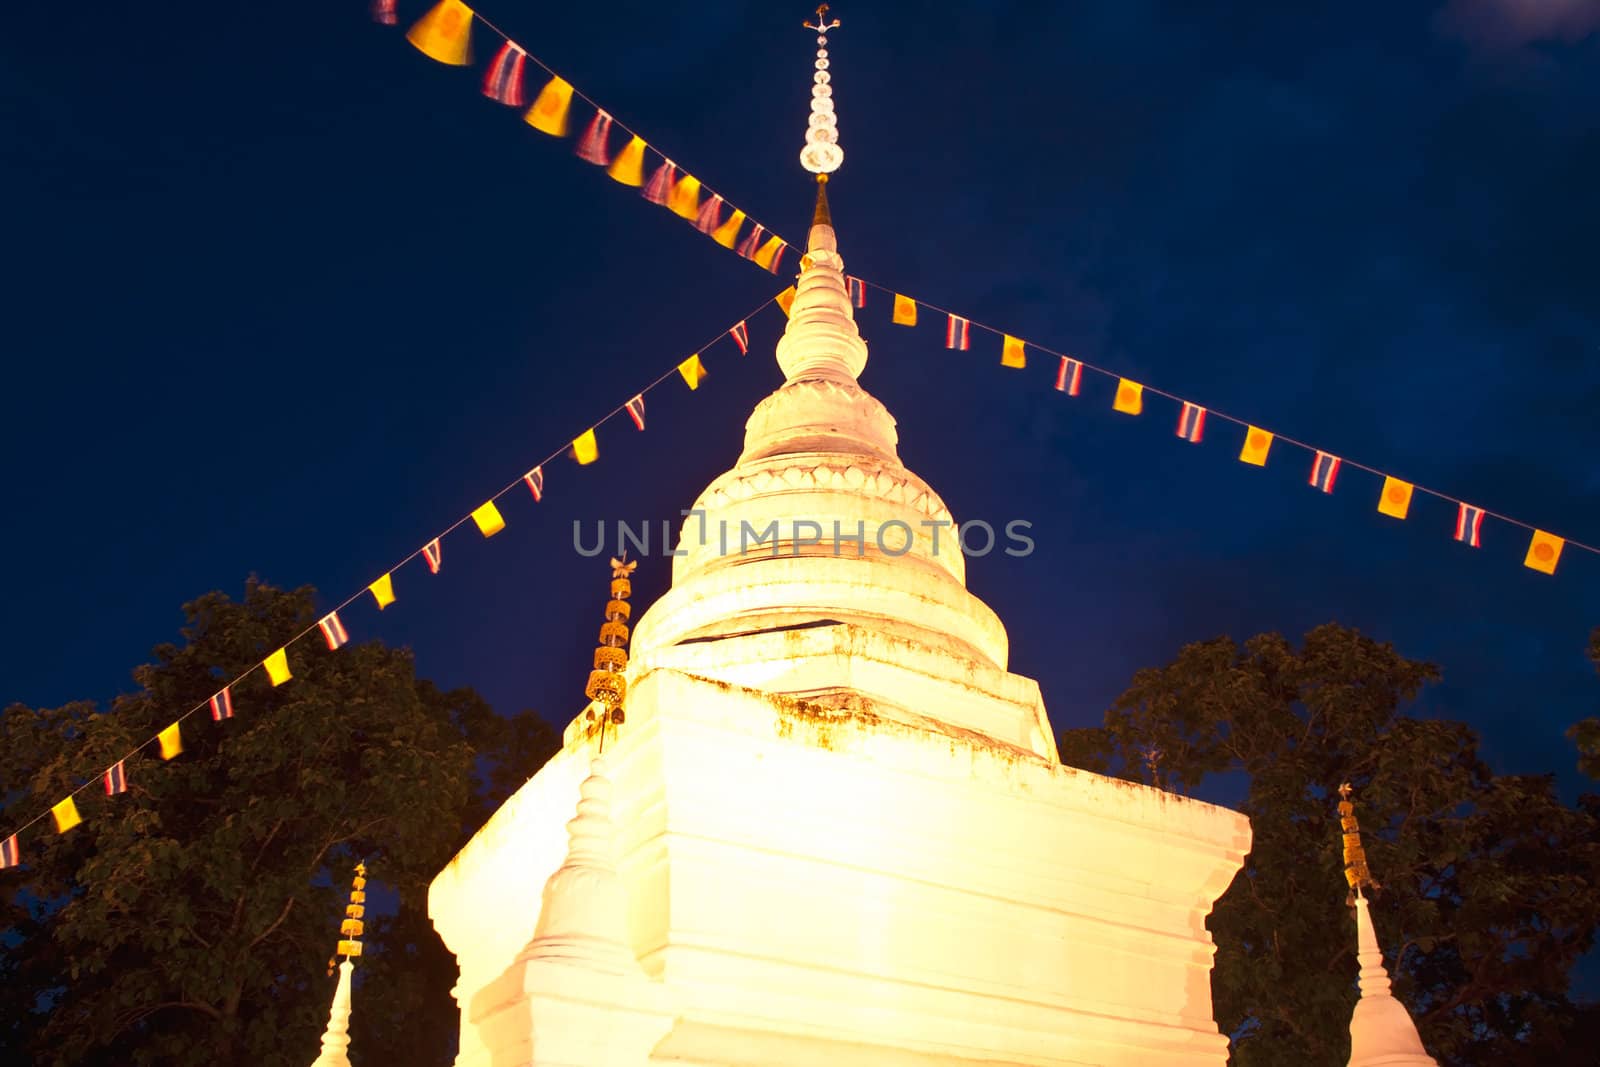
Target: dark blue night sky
column 286, row 297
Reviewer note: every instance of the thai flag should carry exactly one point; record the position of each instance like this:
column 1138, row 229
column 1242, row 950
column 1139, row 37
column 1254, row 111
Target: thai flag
column 741, row 337
column 383, row 12
column 534, row 480
column 10, row 855
column 1469, row 523
column 955, row 333
column 504, row 80
column 752, row 241
column 858, row 291
column 222, row 705
column 1324, row 471
column 1069, row 377
column 432, row 553
column 1192, row 424
column 636, row 410
column 333, row 630
column 777, row 256
column 593, row 147
column 116, row 780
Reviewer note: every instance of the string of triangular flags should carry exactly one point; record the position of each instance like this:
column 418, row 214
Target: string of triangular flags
column 445, row 34
column 1394, row 498
column 486, row 517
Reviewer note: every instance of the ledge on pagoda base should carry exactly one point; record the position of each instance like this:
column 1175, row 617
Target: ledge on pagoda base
column 547, row 1013
column 839, row 665
column 829, row 884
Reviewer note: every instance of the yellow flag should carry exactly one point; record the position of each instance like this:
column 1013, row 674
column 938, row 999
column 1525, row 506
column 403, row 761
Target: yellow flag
column 1256, row 445
column 768, row 254
column 487, row 516
column 685, row 198
column 1544, row 552
column 786, row 299
column 585, row 449
column 728, row 233
column 445, row 33
column 1013, row 353
column 1130, row 397
column 693, row 371
column 549, row 111
column 66, row 815
column 905, row 310
column 1396, row 497
column 171, row 741
column 277, row 666
column 382, row 591
column 628, row 167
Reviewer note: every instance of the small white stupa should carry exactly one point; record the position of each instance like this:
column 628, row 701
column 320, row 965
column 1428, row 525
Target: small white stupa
column 1382, row 1033
column 842, row 832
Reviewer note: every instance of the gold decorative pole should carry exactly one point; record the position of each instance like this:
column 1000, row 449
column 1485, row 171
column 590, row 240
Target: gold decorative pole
column 1355, row 857
column 607, row 685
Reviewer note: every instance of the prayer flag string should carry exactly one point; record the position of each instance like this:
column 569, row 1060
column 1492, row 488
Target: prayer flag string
column 1544, row 549
column 331, row 628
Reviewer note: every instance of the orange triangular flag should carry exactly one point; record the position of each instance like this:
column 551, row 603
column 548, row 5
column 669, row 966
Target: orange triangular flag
column 66, row 815
column 585, row 448
column 549, row 112
column 1130, row 397
column 1012, row 352
column 767, row 256
column 277, row 666
column 905, row 310
column 628, row 167
column 383, row 591
column 685, row 198
column 1256, row 445
column 786, row 299
column 727, row 235
column 445, row 33
column 488, row 518
column 1396, row 497
column 1544, row 552
column 171, row 741
column 693, row 371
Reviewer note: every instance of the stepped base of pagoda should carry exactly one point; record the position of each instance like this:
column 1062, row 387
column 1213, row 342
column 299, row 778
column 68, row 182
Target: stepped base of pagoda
column 821, row 881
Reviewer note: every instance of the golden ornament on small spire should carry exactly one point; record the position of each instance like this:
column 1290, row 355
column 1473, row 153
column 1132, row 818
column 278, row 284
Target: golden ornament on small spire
column 352, row 926
column 1355, row 856
column 607, row 685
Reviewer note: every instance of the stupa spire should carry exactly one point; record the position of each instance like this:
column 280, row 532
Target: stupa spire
column 821, row 340
column 1381, row 1031
column 584, row 918
column 336, row 1038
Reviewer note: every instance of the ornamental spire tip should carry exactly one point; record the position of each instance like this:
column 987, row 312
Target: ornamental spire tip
column 822, row 154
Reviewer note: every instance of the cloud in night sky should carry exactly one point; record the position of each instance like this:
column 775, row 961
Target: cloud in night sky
column 1510, row 24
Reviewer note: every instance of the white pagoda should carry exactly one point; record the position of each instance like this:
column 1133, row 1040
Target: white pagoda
column 833, row 827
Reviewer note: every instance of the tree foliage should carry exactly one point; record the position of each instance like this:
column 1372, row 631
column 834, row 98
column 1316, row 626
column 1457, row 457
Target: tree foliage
column 1491, row 884
column 189, row 921
column 1586, row 733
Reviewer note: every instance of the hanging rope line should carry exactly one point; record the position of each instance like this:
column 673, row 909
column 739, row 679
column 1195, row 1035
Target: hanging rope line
column 691, row 370
column 956, row 336
column 444, row 34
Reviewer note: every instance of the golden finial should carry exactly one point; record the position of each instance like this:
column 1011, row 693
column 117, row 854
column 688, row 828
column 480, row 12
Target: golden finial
column 351, row 929
column 1355, row 857
column 607, row 686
